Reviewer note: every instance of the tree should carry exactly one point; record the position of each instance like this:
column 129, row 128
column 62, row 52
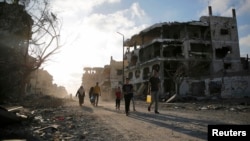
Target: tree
column 176, row 74
column 45, row 38
column 191, row 68
column 31, row 33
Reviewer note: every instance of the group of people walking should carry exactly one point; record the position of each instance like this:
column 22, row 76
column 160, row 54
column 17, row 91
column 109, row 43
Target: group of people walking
column 94, row 94
column 127, row 91
column 154, row 87
column 128, row 97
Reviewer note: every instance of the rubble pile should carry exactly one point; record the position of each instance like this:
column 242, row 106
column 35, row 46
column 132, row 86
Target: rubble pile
column 234, row 105
column 48, row 118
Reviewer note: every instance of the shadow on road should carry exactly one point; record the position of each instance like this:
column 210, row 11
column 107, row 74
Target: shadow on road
column 179, row 124
column 110, row 110
column 191, row 127
column 87, row 109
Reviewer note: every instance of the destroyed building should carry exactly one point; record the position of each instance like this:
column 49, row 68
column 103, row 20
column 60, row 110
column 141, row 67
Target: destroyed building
column 109, row 77
column 197, row 58
column 15, row 33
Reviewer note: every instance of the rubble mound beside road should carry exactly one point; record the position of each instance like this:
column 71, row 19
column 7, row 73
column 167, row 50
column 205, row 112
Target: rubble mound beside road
column 51, row 118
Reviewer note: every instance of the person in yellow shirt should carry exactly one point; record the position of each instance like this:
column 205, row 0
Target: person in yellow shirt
column 96, row 93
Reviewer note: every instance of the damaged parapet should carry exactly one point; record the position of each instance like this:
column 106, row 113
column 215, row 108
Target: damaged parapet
column 188, row 55
column 92, row 75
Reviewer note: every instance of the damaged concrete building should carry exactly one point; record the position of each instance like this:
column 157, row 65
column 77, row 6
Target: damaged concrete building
column 109, row 77
column 196, row 58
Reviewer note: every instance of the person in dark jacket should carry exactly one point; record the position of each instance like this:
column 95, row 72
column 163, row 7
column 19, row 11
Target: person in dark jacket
column 91, row 95
column 154, row 82
column 127, row 90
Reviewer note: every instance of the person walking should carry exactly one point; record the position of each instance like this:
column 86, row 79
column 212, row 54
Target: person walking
column 154, row 82
column 128, row 94
column 118, row 95
column 97, row 93
column 80, row 94
column 91, row 95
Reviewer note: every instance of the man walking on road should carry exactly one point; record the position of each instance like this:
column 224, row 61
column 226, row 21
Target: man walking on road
column 154, row 83
column 128, row 94
column 97, row 93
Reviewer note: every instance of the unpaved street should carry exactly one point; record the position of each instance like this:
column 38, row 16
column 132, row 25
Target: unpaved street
column 176, row 122
column 65, row 120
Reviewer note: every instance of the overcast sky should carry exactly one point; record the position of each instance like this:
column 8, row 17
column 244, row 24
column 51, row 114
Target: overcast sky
column 89, row 33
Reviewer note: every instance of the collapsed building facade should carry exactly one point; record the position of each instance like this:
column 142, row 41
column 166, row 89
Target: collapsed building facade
column 109, row 78
column 197, row 58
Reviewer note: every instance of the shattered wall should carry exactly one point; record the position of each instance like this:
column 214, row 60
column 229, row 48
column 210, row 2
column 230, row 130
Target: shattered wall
column 225, row 42
column 91, row 76
column 236, row 87
column 40, row 82
column 228, row 87
column 197, row 51
column 109, row 77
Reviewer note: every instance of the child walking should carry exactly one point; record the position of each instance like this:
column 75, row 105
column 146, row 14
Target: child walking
column 118, row 95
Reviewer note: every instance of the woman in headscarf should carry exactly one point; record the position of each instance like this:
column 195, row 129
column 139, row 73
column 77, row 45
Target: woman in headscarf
column 81, row 94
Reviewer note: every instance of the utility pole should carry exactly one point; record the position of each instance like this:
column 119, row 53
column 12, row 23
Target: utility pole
column 122, row 56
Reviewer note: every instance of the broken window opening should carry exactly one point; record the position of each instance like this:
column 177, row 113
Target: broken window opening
column 145, row 73
column 194, row 32
column 245, row 63
column 130, row 75
column 166, row 34
column 200, row 50
column 171, row 32
column 172, row 51
column 137, row 73
column 157, row 49
column 198, row 68
column 227, row 66
column 128, row 50
column 141, row 57
column 194, row 35
column 221, row 53
column 144, row 54
column 205, row 32
column 156, row 67
column 215, row 87
column 133, row 61
column 150, row 52
column 176, row 36
column 224, row 31
column 119, row 72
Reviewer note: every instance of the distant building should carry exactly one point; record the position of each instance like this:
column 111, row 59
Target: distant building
column 91, row 76
column 41, row 82
column 108, row 77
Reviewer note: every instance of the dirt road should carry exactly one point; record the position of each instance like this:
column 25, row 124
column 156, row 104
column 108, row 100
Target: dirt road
column 56, row 119
column 172, row 124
